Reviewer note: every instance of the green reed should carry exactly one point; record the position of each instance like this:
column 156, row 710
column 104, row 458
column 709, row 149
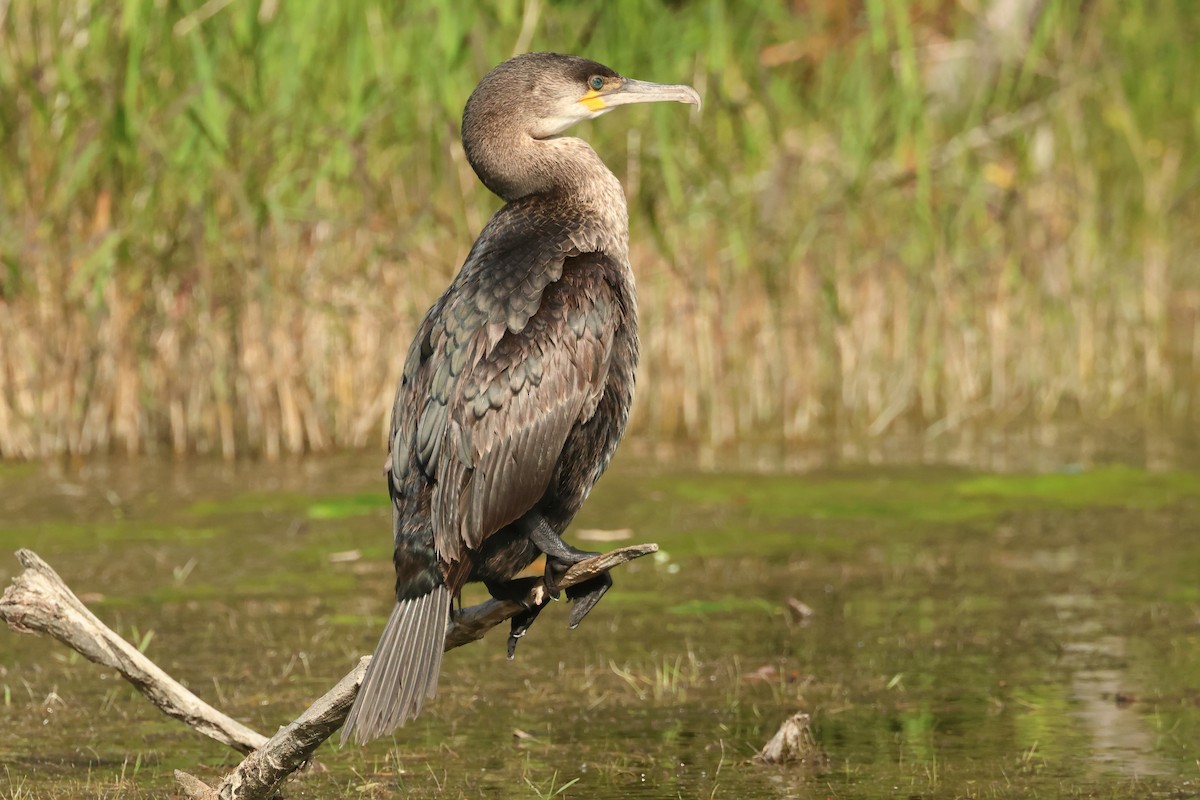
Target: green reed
column 220, row 222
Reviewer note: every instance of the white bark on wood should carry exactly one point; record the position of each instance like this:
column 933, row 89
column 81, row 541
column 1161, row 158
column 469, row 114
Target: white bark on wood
column 261, row 772
column 39, row 601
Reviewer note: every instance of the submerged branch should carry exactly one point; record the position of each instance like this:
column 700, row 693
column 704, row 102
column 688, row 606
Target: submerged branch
column 39, row 601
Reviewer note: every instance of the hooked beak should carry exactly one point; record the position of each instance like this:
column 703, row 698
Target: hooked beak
column 633, row 91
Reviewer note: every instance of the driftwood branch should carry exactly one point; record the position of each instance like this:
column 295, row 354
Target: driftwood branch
column 38, row 601
column 261, row 772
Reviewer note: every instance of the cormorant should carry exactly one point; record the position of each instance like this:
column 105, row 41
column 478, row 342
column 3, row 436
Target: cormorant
column 517, row 386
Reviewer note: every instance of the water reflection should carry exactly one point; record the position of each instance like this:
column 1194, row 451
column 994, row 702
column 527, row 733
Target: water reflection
column 1043, row 448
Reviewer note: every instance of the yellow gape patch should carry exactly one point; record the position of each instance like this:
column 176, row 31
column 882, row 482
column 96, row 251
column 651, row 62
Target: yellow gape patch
column 592, row 100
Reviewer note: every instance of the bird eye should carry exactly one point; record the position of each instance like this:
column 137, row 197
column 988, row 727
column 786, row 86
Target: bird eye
column 597, row 83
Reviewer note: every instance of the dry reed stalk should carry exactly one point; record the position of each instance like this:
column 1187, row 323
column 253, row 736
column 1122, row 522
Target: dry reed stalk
column 300, row 378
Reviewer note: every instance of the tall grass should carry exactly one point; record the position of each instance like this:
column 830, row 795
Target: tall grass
column 221, row 221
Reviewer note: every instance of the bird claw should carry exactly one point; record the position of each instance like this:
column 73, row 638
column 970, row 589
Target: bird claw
column 519, row 626
column 512, row 644
column 585, row 596
column 555, row 571
column 557, row 566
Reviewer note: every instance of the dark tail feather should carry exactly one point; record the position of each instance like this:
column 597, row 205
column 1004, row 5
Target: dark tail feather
column 404, row 670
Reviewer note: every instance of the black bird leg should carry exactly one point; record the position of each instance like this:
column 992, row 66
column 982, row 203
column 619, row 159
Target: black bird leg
column 520, row 623
column 517, row 591
column 560, row 556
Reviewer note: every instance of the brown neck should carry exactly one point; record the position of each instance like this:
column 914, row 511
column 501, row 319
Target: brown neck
column 515, row 165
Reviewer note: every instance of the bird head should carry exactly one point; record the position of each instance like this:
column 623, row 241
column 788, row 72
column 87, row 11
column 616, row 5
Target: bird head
column 550, row 92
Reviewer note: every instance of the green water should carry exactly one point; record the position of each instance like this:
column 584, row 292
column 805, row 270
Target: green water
column 975, row 634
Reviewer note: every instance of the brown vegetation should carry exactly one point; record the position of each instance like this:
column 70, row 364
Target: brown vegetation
column 222, row 230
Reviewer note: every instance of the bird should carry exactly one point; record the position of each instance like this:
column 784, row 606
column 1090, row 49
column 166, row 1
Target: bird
column 517, row 386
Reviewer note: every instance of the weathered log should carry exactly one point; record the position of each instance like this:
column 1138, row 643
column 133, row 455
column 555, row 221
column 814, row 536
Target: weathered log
column 39, row 601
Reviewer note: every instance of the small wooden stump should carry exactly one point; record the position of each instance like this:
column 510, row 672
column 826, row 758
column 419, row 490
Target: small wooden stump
column 793, row 743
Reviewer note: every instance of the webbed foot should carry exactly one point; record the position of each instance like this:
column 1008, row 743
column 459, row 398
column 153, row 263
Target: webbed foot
column 517, row 591
column 519, row 626
column 560, row 557
column 584, row 597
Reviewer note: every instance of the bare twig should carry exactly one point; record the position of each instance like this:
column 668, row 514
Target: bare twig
column 39, row 601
